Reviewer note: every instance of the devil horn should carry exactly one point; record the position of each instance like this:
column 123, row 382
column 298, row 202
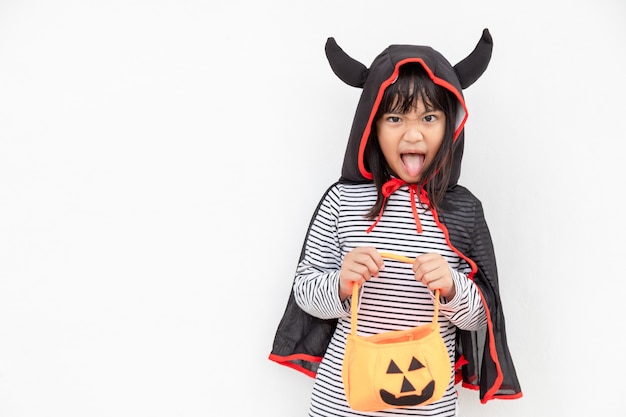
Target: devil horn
column 473, row 66
column 349, row 70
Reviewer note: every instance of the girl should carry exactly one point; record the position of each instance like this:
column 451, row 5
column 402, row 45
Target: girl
column 398, row 193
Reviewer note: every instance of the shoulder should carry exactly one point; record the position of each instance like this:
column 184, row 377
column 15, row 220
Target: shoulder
column 349, row 190
column 341, row 193
column 461, row 205
column 462, row 213
column 460, row 193
column 460, row 198
column 342, row 196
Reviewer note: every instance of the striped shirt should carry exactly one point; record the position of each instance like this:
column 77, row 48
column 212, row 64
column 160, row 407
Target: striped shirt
column 392, row 301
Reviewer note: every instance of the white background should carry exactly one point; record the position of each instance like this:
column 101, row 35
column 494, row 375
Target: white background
column 160, row 161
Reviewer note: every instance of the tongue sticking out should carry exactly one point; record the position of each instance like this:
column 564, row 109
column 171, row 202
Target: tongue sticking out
column 413, row 163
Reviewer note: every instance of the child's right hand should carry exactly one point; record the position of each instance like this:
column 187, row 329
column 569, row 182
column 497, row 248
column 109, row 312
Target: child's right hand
column 359, row 265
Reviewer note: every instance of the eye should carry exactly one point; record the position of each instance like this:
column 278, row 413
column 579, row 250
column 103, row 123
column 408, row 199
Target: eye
column 393, row 119
column 430, row 118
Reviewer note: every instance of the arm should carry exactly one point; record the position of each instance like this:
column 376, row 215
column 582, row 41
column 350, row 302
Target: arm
column 463, row 305
column 325, row 276
column 465, row 310
column 316, row 285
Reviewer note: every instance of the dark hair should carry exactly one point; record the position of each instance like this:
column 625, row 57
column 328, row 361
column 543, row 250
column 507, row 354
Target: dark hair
column 412, row 84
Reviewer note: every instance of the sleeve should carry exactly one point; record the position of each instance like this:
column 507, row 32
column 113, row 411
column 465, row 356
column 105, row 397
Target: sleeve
column 316, row 285
column 465, row 310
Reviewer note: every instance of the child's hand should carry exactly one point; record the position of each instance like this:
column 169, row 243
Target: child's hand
column 432, row 270
column 359, row 265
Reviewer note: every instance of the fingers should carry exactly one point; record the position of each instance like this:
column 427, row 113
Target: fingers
column 365, row 261
column 359, row 265
column 432, row 270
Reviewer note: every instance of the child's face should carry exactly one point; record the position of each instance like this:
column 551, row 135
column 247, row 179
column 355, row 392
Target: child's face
column 411, row 140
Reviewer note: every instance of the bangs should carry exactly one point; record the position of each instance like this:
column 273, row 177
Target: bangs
column 413, row 84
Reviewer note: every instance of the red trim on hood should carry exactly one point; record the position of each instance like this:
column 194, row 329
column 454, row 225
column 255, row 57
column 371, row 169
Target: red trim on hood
column 381, row 91
column 490, row 394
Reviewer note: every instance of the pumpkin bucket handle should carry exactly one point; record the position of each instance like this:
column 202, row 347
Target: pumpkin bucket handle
column 354, row 307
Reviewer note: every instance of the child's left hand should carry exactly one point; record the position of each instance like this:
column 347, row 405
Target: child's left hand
column 432, row 270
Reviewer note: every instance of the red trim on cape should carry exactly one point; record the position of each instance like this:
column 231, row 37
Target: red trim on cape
column 490, row 394
column 287, row 361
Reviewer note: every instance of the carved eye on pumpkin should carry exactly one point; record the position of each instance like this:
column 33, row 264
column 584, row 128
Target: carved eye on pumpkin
column 408, row 395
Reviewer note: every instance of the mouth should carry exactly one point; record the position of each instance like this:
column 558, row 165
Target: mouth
column 413, row 163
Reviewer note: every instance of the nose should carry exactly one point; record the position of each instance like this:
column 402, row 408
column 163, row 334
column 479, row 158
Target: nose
column 413, row 132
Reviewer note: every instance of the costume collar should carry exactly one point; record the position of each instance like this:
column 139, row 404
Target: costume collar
column 415, row 192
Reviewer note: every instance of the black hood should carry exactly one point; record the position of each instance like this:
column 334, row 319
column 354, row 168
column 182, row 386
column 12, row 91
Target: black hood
column 383, row 72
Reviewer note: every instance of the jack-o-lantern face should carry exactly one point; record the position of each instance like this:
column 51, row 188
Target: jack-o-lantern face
column 408, row 395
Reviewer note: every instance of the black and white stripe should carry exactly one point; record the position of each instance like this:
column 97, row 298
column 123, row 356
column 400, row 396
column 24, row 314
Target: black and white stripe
column 392, row 301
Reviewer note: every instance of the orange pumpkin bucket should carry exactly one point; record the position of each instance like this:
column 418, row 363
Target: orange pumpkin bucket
column 396, row 369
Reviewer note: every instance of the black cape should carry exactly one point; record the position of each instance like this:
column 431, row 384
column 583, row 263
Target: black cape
column 483, row 360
